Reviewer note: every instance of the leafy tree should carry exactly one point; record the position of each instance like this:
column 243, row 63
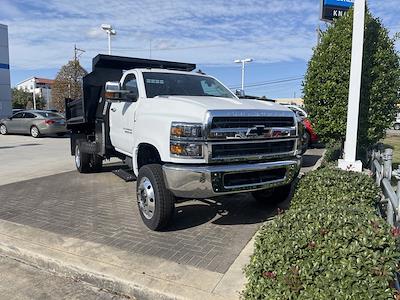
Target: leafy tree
column 23, row 99
column 326, row 85
column 68, row 84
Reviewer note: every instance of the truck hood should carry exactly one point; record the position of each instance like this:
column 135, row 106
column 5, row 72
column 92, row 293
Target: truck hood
column 195, row 108
column 219, row 103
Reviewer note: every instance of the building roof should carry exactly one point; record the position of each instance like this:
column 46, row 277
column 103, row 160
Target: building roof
column 38, row 80
column 44, row 80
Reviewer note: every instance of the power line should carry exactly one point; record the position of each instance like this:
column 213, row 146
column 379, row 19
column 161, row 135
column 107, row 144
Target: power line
column 269, row 82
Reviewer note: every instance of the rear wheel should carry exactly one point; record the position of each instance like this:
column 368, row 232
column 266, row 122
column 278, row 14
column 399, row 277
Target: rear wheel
column 35, row 132
column 3, row 129
column 397, row 126
column 156, row 203
column 273, row 196
column 86, row 162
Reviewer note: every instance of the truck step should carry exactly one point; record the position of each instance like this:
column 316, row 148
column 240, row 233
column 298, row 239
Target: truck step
column 125, row 174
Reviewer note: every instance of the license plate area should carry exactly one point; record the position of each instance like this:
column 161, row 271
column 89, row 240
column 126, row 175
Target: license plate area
column 253, row 178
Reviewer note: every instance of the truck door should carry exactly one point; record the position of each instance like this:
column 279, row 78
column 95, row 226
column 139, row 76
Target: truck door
column 122, row 118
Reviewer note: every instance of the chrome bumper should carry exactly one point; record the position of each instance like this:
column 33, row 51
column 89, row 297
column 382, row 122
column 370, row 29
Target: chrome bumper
column 191, row 181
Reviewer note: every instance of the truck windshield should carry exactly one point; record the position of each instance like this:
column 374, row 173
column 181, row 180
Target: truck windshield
column 168, row 84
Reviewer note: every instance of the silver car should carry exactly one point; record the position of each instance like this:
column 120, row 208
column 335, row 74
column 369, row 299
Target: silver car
column 396, row 124
column 34, row 122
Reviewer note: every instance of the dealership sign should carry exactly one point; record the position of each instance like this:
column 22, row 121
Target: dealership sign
column 332, row 9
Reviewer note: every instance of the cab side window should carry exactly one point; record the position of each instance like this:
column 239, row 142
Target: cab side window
column 130, row 84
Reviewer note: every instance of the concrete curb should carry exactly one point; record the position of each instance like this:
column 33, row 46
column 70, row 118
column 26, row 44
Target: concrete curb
column 139, row 276
column 319, row 161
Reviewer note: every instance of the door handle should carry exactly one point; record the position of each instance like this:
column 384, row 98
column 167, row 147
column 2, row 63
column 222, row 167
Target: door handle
column 113, row 109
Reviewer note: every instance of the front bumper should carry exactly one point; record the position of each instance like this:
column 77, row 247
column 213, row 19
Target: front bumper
column 191, row 181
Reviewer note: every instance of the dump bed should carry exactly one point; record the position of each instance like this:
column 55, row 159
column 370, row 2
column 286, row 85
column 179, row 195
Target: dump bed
column 108, row 68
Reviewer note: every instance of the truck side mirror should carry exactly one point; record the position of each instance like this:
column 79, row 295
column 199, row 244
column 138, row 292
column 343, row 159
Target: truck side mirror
column 113, row 91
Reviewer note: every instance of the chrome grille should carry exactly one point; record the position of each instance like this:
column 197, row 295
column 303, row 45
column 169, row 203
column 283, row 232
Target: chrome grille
column 237, row 150
column 248, row 135
column 248, row 122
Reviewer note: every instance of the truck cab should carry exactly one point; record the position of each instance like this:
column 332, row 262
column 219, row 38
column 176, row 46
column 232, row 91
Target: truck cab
column 182, row 134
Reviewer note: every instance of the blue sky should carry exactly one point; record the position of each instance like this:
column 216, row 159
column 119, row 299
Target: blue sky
column 278, row 34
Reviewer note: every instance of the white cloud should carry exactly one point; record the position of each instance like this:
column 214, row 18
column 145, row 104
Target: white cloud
column 43, row 33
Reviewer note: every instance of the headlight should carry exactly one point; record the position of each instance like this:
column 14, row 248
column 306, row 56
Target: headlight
column 186, row 130
column 194, row 150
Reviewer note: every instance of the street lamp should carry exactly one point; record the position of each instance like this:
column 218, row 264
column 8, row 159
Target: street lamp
column 243, row 62
column 110, row 31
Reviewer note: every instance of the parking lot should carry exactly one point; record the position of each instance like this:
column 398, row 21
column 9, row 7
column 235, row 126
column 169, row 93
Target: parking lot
column 40, row 189
column 23, row 157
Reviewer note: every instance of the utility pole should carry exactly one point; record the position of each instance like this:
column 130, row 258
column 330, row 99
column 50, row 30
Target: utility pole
column 349, row 162
column 150, row 49
column 77, row 53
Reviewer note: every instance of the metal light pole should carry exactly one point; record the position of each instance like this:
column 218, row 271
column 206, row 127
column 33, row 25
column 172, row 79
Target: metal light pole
column 243, row 62
column 110, row 31
column 34, row 93
column 349, row 162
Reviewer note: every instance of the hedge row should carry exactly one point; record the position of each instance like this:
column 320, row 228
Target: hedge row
column 330, row 244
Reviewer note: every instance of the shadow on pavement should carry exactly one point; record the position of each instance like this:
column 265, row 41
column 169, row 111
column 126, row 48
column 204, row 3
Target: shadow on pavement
column 310, row 160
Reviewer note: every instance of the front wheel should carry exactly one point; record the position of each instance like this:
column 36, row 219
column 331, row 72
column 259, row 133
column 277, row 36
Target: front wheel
column 274, row 195
column 156, row 203
column 3, row 129
column 397, row 126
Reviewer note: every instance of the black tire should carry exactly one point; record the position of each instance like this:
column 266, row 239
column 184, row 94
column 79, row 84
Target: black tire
column 306, row 142
column 95, row 163
column 396, row 126
column 35, row 133
column 86, row 162
column 3, row 129
column 273, row 196
column 157, row 211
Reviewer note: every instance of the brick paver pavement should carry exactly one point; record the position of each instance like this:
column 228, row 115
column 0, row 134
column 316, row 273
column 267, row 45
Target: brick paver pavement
column 102, row 208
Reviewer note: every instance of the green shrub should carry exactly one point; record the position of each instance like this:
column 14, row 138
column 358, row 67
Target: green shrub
column 331, row 244
column 331, row 185
column 329, row 252
column 333, row 152
column 326, row 84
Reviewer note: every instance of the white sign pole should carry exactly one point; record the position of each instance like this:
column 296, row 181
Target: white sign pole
column 349, row 162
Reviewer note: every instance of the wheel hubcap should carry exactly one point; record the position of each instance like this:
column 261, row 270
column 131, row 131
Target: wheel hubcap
column 146, row 198
column 3, row 129
column 77, row 157
column 34, row 131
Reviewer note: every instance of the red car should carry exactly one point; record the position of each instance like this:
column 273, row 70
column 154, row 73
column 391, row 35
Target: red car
column 310, row 137
column 310, row 134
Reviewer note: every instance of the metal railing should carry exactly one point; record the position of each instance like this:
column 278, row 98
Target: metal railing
column 381, row 167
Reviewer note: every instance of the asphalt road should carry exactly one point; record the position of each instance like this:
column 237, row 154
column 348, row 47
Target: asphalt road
column 24, row 157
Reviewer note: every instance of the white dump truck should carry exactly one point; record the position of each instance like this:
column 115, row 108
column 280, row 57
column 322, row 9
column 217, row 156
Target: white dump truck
column 181, row 135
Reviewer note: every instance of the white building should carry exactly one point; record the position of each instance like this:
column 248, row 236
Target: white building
column 292, row 101
column 5, row 89
column 41, row 86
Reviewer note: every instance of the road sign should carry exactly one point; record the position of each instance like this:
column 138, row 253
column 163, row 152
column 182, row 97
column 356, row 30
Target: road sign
column 332, row 9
